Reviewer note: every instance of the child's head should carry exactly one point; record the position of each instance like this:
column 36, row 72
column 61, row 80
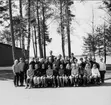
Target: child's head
column 61, row 66
column 54, row 66
column 68, row 66
column 49, row 66
column 94, row 66
column 36, row 66
column 30, row 66
column 43, row 66
column 16, row 62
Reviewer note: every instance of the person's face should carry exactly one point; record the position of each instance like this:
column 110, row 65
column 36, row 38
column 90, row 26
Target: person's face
column 30, row 67
column 16, row 62
column 36, row 66
column 21, row 60
column 94, row 66
column 81, row 60
column 68, row 66
column 54, row 66
column 43, row 66
column 50, row 52
column 61, row 66
column 49, row 67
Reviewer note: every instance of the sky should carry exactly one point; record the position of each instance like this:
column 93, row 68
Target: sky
column 81, row 26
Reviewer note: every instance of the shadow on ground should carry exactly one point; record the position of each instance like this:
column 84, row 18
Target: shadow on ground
column 6, row 75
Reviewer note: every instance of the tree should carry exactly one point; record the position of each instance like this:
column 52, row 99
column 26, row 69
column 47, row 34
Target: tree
column 69, row 16
column 12, row 32
column 28, row 42
column 21, row 28
column 39, row 34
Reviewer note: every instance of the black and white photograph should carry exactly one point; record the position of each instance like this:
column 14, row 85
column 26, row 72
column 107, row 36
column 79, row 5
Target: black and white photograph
column 55, row 52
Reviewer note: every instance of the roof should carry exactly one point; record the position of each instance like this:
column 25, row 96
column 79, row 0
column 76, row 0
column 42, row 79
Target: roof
column 8, row 45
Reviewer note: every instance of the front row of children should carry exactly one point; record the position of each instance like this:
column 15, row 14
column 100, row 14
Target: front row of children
column 71, row 75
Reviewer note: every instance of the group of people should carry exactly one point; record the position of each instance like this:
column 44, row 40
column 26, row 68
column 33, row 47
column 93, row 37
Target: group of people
column 58, row 72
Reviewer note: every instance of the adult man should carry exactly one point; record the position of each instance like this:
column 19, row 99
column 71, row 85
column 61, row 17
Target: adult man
column 21, row 68
column 102, row 69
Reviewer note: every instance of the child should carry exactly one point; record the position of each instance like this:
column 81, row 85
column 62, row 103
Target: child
column 49, row 76
column 30, row 74
column 95, row 74
column 67, row 74
column 74, row 74
column 16, row 73
column 43, row 74
column 81, row 75
column 60, row 78
column 55, row 73
column 36, row 77
column 88, row 72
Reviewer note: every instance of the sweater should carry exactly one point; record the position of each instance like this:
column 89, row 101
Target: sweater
column 102, row 66
column 15, row 69
column 95, row 72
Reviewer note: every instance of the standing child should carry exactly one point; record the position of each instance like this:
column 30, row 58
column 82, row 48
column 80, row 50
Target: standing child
column 16, row 73
column 95, row 74
column 88, row 72
column 102, row 69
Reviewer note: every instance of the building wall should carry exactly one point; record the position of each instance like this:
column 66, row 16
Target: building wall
column 6, row 58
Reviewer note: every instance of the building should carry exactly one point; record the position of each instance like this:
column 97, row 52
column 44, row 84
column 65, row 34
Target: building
column 6, row 58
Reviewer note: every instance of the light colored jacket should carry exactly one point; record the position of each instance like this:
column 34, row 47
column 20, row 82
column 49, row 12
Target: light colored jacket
column 21, row 66
column 102, row 66
column 95, row 72
column 15, row 69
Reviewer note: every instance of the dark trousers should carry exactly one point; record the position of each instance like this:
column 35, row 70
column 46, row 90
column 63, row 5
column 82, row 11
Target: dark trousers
column 21, row 78
column 16, row 79
column 102, row 74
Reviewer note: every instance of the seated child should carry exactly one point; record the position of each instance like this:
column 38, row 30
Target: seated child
column 67, row 74
column 60, row 78
column 55, row 73
column 30, row 74
column 74, row 74
column 36, row 78
column 49, row 76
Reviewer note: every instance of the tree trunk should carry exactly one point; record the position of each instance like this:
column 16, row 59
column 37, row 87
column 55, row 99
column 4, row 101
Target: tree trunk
column 104, row 41
column 12, row 32
column 62, row 30
column 68, row 29
column 21, row 31
column 28, row 43
column 39, row 34
column 35, row 42
column 44, row 42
